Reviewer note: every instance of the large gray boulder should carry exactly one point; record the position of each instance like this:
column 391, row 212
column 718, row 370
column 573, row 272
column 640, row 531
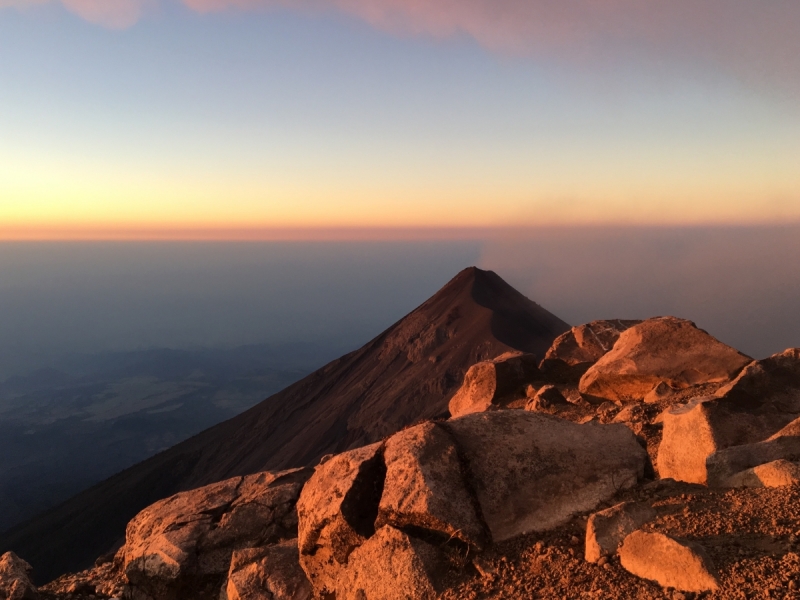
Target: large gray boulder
column 490, row 383
column 573, row 352
column 665, row 349
column 532, row 472
column 182, row 546
column 764, row 398
column 15, row 582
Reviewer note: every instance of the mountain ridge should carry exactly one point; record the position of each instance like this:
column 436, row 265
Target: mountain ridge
column 404, row 375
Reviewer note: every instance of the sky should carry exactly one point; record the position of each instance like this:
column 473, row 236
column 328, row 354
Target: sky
column 269, row 119
column 61, row 299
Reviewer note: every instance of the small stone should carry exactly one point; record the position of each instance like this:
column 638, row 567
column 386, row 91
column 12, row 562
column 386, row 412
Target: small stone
column 574, row 540
column 602, row 561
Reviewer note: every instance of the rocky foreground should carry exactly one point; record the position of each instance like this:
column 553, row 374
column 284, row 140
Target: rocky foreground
column 636, row 460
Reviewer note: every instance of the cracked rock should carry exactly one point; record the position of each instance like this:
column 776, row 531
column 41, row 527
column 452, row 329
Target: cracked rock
column 181, row 546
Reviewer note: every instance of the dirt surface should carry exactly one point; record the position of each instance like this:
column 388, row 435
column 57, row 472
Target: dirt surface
column 751, row 536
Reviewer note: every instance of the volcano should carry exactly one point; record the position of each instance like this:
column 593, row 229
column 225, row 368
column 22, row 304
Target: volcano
column 406, row 374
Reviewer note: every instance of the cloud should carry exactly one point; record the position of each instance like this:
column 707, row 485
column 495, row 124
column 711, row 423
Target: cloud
column 115, row 14
column 751, row 39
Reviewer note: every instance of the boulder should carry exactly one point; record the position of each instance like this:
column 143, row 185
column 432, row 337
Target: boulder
column 533, row 472
column 392, row 565
column 181, row 546
column 670, row 562
column 665, row 349
column 15, row 582
column 425, row 486
column 490, row 383
column 608, row 528
column 336, row 513
column 764, row 398
column 777, row 473
column 547, row 399
column 267, row 573
column 736, row 461
column 573, row 352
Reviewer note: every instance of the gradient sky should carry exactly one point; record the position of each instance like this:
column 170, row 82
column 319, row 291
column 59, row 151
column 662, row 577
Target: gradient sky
column 167, row 118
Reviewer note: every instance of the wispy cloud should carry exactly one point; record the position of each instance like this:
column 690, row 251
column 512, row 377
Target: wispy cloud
column 752, row 39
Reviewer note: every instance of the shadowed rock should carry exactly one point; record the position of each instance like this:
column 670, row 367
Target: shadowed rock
column 490, row 383
column 668, row 561
column 547, row 399
column 764, row 398
column 573, row 352
column 665, row 349
column 608, row 528
column 336, row 513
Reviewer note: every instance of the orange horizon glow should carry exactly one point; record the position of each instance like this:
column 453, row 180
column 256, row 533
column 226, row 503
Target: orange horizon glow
column 123, row 233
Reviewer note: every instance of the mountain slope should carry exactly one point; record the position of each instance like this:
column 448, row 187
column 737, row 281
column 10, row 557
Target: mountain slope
column 404, row 375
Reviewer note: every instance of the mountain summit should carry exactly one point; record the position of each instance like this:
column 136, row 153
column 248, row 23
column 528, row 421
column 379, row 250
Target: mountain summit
column 406, row 374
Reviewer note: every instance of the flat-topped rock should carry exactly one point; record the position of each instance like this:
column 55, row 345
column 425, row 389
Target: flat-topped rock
column 762, row 400
column 662, row 350
column 532, row 472
column 573, row 352
column 489, row 383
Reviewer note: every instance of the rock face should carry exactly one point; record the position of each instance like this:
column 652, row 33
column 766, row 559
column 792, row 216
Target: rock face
column 393, row 565
column 532, row 472
column 607, row 529
column 764, row 398
column 425, row 486
column 489, row 383
column 15, row 583
column 405, row 375
column 573, row 352
column 182, row 546
column 336, row 513
column 437, row 492
column 668, row 561
column 267, row 573
column 664, row 349
column 547, row 399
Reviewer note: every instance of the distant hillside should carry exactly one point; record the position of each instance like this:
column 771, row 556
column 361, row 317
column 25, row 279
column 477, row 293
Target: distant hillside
column 63, row 430
column 406, row 374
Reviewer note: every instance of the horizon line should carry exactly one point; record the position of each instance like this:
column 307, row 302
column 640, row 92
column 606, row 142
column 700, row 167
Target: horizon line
column 352, row 233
